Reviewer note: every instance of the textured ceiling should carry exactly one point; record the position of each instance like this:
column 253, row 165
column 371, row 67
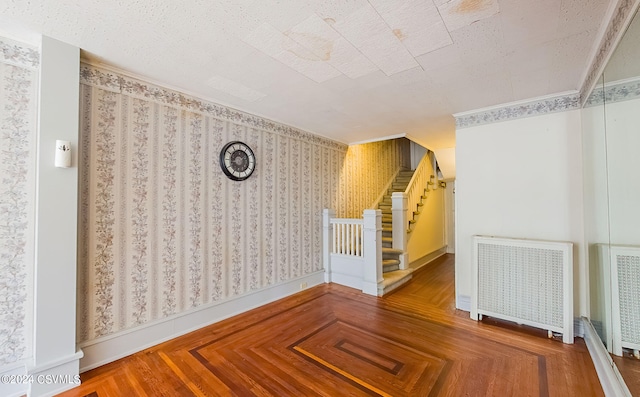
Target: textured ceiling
column 352, row 70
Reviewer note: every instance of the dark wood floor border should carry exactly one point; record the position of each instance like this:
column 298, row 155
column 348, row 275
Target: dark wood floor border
column 338, row 333
column 393, row 371
column 542, row 373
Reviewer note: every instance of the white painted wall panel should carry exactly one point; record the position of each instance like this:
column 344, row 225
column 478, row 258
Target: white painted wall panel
column 521, row 179
column 623, row 143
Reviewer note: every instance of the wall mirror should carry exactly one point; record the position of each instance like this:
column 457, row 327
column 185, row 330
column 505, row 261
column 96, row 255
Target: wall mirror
column 611, row 148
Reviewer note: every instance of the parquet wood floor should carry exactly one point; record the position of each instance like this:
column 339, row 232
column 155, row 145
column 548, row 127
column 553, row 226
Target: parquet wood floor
column 334, row 341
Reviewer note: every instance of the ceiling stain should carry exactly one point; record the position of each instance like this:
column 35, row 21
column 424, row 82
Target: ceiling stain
column 399, row 34
column 330, row 21
column 318, row 47
column 469, row 6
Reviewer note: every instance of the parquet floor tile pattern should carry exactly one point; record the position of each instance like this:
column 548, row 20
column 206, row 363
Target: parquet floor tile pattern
column 334, row 341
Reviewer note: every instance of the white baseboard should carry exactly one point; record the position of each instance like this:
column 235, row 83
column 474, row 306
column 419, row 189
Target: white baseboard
column 426, row 259
column 463, row 302
column 15, row 388
column 104, row 350
column 610, row 378
column 43, row 381
column 347, row 280
column 55, row 377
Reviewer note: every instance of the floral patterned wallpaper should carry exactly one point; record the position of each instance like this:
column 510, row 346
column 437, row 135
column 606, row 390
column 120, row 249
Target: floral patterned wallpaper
column 18, row 128
column 366, row 171
column 162, row 229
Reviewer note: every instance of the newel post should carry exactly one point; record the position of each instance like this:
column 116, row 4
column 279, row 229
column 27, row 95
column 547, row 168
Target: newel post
column 372, row 248
column 399, row 203
column 327, row 234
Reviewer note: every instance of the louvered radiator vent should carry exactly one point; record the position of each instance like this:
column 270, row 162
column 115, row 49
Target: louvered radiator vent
column 625, row 277
column 526, row 281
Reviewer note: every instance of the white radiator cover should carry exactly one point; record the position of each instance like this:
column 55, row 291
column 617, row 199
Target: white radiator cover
column 526, row 281
column 625, row 284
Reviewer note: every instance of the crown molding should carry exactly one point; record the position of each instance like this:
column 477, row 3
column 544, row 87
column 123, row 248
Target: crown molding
column 515, row 110
column 112, row 80
column 615, row 91
column 378, row 139
column 19, row 54
column 620, row 18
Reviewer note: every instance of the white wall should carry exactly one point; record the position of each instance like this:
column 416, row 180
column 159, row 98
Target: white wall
column 623, row 162
column 520, row 178
column 428, row 233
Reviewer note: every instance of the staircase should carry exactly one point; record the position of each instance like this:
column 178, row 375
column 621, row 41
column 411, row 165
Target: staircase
column 346, row 240
column 393, row 276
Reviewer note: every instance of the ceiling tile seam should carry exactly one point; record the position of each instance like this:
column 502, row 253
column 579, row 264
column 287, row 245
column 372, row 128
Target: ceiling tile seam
column 446, row 28
column 297, row 71
column 399, row 41
column 371, row 60
column 534, row 107
column 448, row 32
column 352, row 45
column 125, row 78
column 288, row 66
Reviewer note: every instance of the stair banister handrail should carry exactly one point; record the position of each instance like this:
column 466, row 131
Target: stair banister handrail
column 415, row 188
column 403, row 205
column 418, row 171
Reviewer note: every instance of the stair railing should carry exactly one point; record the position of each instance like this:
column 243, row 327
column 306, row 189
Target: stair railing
column 352, row 251
column 347, row 236
column 403, row 204
column 420, row 181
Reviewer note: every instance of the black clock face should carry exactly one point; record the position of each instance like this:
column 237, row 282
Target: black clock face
column 237, row 160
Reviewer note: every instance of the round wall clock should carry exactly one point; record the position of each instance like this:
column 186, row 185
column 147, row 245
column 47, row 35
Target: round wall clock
column 237, row 160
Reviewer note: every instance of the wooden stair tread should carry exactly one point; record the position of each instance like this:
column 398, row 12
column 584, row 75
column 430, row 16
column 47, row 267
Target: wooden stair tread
column 395, row 279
